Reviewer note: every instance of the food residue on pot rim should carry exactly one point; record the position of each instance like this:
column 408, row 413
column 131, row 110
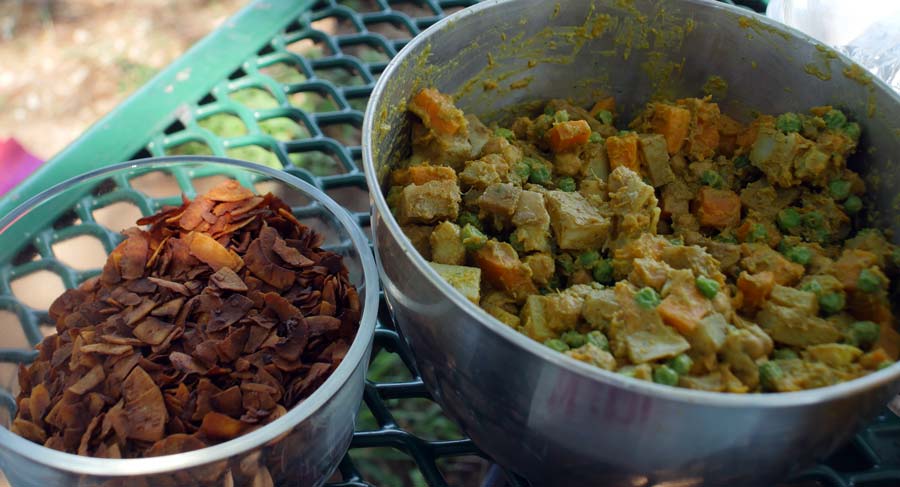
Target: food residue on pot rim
column 715, row 86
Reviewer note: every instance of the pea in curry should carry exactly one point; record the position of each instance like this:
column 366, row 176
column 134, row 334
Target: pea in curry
column 688, row 249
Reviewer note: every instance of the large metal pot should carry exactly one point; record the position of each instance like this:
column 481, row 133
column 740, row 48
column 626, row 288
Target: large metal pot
column 553, row 419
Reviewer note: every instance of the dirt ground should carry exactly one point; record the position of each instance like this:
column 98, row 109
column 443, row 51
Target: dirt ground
column 66, row 63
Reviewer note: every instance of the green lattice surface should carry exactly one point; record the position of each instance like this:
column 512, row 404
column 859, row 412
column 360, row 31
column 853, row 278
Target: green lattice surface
column 286, row 85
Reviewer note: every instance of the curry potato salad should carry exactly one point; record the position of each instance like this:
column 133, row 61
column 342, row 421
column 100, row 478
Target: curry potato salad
column 689, row 250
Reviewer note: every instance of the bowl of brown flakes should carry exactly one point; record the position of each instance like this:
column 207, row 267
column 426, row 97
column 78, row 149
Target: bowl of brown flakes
column 223, row 340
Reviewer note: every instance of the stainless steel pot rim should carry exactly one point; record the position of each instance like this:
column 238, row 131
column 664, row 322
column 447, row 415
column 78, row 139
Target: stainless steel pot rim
column 540, row 352
column 147, row 466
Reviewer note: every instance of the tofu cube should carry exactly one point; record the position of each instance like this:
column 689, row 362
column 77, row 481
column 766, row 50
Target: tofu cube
column 466, row 280
column 429, row 202
column 576, row 223
column 446, row 245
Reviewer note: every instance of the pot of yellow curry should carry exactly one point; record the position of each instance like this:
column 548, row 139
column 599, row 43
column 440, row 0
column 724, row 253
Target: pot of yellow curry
column 639, row 242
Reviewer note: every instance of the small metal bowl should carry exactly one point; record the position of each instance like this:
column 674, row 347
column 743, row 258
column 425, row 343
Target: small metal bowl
column 553, row 419
column 304, row 446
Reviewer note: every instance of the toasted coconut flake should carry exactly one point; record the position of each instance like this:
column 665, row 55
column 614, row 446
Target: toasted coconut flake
column 171, row 285
column 144, row 407
column 134, row 253
column 177, row 443
column 212, row 253
column 29, row 431
column 219, row 427
column 185, row 363
column 229, row 191
column 228, row 280
column 260, row 259
column 233, row 309
column 228, row 401
column 193, row 214
column 152, row 331
column 105, row 349
column 169, row 308
column 91, row 380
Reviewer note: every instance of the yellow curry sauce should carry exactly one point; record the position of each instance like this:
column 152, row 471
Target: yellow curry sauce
column 689, row 250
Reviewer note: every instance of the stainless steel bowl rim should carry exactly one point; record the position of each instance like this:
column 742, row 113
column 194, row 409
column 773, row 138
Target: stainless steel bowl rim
column 145, row 466
column 532, row 347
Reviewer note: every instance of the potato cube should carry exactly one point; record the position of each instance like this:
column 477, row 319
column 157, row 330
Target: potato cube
column 530, row 210
column 576, row 224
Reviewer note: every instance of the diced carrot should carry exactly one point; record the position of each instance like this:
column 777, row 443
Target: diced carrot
column 500, row 266
column 682, row 314
column 851, row 262
column 424, row 174
column 746, row 138
column 623, row 151
column 755, row 287
column 437, row 111
column 719, row 208
column 672, row 122
column 566, row 135
column 874, row 358
column 608, row 104
column 703, row 139
column 400, row 177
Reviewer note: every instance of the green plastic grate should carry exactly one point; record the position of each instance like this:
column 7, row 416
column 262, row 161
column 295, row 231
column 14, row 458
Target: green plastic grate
column 285, row 84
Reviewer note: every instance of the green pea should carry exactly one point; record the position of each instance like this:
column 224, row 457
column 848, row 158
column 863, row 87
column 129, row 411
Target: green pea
column 548, row 110
column 726, row 238
column 834, row 119
column 868, row 281
column 885, row 364
column 681, row 364
column 605, row 117
column 516, row 243
column 553, row 284
column 598, row 339
column 788, row 122
column 831, row 303
column 812, row 287
column 864, row 333
column 839, row 188
column 566, row 184
column 675, row 240
column 708, row 287
column 573, row 339
column 556, row 344
column 588, row 258
column 853, row 204
column 505, row 133
column 539, row 174
column 769, row 375
column 712, row 179
column 564, row 262
column 785, row 354
column 468, row 218
column 741, row 161
column 603, row 272
column 472, row 238
column 800, row 255
column 758, row 233
column 852, row 130
column 595, row 138
column 522, row 169
column 788, row 218
column 623, row 133
column 561, row 116
column 647, row 298
column 665, row 375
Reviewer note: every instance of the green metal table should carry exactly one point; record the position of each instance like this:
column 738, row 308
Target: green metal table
column 285, row 83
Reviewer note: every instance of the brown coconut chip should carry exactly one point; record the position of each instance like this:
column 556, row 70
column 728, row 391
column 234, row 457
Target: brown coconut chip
column 219, row 317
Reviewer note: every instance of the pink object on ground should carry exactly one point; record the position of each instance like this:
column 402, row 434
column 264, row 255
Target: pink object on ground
column 16, row 164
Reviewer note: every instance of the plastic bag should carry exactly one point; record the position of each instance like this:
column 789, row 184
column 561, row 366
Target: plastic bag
column 867, row 31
